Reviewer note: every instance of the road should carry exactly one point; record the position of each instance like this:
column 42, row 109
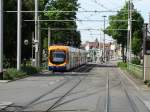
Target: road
column 91, row 88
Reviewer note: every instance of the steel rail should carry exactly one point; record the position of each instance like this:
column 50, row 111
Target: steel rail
column 63, row 96
column 67, row 93
column 43, row 95
column 137, row 96
column 132, row 103
column 107, row 93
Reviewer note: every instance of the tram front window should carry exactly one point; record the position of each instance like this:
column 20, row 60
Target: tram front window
column 58, row 57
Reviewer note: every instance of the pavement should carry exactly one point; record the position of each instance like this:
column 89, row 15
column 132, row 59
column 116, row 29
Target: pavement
column 55, row 91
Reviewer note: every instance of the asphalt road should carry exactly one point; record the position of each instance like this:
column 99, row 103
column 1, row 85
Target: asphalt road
column 92, row 88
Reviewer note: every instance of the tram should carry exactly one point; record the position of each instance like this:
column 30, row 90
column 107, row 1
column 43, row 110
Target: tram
column 65, row 58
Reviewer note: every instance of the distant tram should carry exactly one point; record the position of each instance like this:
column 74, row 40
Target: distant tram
column 64, row 58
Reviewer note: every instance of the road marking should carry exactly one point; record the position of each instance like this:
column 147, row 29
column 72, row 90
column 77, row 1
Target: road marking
column 4, row 81
column 5, row 104
column 147, row 103
column 51, row 83
column 132, row 82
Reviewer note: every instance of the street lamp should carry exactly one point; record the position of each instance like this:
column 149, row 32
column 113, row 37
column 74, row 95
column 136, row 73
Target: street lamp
column 104, row 38
column 1, row 39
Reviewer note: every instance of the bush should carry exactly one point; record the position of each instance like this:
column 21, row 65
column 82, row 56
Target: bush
column 122, row 65
column 12, row 74
column 136, row 61
column 30, row 70
column 6, row 63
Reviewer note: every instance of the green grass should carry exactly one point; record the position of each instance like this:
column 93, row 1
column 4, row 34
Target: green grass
column 29, row 70
column 131, row 71
column 122, row 65
column 12, row 73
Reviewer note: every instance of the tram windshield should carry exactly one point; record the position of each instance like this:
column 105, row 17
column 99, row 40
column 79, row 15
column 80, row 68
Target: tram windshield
column 58, row 57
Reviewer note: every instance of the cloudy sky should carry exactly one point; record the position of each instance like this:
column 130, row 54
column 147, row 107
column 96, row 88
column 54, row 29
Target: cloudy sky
column 87, row 5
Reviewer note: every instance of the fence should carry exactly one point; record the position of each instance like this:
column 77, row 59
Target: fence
column 137, row 70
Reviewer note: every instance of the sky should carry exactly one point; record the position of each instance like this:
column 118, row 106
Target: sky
column 143, row 6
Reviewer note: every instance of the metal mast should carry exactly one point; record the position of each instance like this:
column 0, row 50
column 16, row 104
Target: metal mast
column 1, row 39
column 104, row 39
column 130, row 29
column 36, row 35
column 19, row 35
column 49, row 36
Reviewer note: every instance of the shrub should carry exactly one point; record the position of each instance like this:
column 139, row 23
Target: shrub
column 136, row 61
column 122, row 65
column 12, row 74
column 6, row 63
column 30, row 70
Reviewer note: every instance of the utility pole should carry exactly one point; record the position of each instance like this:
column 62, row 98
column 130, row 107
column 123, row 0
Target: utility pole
column 32, row 46
column 19, row 35
column 100, row 47
column 128, row 34
column 104, row 39
column 39, row 39
column 1, row 39
column 130, row 29
column 36, row 35
column 49, row 36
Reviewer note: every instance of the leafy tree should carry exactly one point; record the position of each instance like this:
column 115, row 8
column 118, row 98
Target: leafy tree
column 10, row 30
column 10, row 26
column 121, row 36
column 60, row 36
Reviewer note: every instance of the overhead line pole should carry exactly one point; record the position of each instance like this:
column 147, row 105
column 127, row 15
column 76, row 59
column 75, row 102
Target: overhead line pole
column 36, row 35
column 49, row 36
column 1, row 39
column 100, row 47
column 39, row 43
column 104, row 40
column 130, row 31
column 129, row 39
column 19, row 35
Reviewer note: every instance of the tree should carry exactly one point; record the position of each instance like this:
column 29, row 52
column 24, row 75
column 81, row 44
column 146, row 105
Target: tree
column 10, row 30
column 60, row 36
column 121, row 36
column 10, row 25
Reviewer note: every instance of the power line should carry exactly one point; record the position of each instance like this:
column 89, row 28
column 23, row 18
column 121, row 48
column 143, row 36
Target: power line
column 98, row 3
column 73, row 20
column 61, row 11
column 90, row 29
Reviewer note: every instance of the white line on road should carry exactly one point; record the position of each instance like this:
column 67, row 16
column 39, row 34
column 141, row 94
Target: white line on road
column 5, row 104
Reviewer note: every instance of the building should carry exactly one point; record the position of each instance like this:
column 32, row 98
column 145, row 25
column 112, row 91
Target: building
column 95, row 49
column 149, row 20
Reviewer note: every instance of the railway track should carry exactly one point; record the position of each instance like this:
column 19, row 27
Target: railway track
column 133, row 105
column 107, row 94
column 57, row 99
